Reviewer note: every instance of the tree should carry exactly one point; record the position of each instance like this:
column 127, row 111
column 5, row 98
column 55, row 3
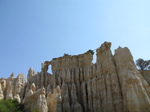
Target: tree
column 143, row 64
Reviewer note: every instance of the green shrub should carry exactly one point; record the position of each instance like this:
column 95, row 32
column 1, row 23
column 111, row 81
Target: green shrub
column 10, row 106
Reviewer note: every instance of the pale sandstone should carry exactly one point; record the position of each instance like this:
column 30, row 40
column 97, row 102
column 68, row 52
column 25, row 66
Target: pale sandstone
column 75, row 106
column 54, row 101
column 112, row 84
column 3, row 84
column 17, row 97
column 1, row 95
column 9, row 90
column 36, row 100
column 146, row 75
column 135, row 89
column 2, row 88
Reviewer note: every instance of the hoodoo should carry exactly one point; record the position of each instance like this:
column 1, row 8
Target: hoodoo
column 112, row 84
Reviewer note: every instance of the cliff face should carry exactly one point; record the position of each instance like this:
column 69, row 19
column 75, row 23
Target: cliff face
column 112, row 84
column 146, row 75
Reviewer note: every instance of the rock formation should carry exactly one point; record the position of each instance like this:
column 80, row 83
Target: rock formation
column 1, row 95
column 17, row 97
column 36, row 101
column 112, row 84
column 146, row 75
column 135, row 90
column 54, row 100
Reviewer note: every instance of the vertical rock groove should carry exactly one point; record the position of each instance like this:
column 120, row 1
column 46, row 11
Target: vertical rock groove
column 112, row 84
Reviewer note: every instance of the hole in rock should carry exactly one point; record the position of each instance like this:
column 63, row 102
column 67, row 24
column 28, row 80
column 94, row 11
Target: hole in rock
column 50, row 69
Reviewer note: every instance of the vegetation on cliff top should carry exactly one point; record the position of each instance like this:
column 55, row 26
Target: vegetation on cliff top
column 143, row 64
column 91, row 51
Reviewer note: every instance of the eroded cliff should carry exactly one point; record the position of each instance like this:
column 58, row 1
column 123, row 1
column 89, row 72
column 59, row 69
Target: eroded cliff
column 112, row 84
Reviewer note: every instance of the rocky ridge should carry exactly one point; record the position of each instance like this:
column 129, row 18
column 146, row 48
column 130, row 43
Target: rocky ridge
column 112, row 84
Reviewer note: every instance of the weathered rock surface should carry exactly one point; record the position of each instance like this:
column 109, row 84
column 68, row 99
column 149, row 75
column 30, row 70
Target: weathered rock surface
column 1, row 95
column 135, row 90
column 17, row 97
column 36, row 101
column 54, row 100
column 112, row 84
column 146, row 75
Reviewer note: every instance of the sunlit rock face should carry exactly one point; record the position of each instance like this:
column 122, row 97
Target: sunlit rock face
column 146, row 75
column 112, row 84
column 135, row 89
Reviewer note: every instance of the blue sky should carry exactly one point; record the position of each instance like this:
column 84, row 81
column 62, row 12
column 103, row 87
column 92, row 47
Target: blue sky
column 33, row 31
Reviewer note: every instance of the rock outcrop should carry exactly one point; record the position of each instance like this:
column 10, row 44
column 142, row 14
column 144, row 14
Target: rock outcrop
column 36, row 101
column 146, row 75
column 54, row 100
column 112, row 84
column 135, row 90
column 1, row 95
